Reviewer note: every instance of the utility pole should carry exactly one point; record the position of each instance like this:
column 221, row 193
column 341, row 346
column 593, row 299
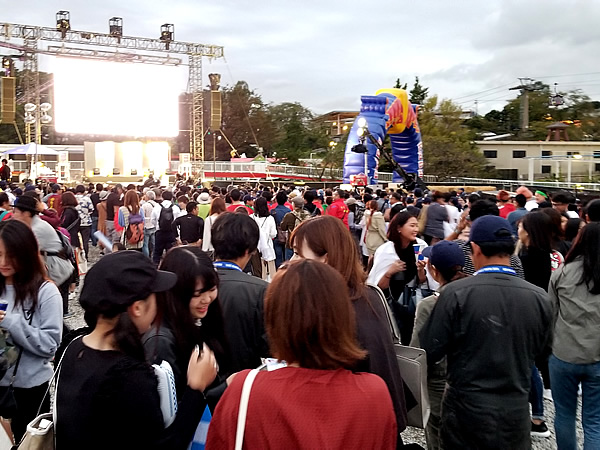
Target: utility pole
column 526, row 85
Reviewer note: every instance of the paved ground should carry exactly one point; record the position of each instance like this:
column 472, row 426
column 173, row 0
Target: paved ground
column 410, row 435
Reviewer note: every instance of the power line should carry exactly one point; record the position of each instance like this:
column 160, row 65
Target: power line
column 569, row 75
column 482, row 92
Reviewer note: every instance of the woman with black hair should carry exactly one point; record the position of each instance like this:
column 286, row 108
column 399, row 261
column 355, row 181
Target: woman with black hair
column 70, row 217
column 572, row 230
column 268, row 231
column 575, row 293
column 192, row 315
column 107, row 394
column 33, row 318
column 539, row 260
column 395, row 267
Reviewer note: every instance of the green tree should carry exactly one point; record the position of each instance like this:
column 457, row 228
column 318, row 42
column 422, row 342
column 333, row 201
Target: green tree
column 418, row 93
column 447, row 145
column 399, row 85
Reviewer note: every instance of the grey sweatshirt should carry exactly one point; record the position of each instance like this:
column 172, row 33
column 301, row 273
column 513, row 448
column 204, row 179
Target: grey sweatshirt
column 38, row 340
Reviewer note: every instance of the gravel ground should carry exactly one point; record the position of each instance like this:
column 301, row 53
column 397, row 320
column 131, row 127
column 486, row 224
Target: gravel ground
column 409, row 435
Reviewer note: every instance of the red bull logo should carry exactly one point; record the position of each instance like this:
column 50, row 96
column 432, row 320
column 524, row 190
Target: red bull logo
column 395, row 113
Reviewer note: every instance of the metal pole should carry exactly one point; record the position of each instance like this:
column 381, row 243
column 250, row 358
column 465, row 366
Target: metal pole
column 215, row 156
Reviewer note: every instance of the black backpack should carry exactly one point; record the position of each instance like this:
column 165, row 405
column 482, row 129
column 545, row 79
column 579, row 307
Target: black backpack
column 165, row 219
column 359, row 212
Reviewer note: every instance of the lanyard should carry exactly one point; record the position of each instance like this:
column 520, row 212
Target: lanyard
column 227, row 265
column 496, row 269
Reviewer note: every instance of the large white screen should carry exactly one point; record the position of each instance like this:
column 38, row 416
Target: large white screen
column 115, row 99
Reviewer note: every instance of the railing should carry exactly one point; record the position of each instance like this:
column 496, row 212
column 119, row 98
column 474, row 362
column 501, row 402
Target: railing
column 510, row 183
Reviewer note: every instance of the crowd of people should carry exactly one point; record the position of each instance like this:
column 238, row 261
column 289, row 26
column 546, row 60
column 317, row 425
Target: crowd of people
column 501, row 290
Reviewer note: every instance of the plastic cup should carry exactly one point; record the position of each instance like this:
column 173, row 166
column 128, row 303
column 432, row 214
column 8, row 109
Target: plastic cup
column 3, row 305
column 417, row 248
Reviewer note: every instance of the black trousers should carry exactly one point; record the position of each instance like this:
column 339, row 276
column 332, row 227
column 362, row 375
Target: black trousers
column 86, row 232
column 163, row 240
column 28, row 402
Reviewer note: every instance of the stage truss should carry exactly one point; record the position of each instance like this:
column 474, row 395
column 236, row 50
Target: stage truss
column 141, row 50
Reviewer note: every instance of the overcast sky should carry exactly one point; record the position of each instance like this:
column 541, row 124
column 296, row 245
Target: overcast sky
column 326, row 54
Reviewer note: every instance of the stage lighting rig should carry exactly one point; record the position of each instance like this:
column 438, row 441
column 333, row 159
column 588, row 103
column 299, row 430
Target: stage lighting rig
column 363, row 133
column 167, row 33
column 63, row 22
column 115, row 28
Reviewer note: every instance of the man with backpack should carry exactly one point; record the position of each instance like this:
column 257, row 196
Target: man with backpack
column 292, row 219
column 163, row 216
column 281, row 252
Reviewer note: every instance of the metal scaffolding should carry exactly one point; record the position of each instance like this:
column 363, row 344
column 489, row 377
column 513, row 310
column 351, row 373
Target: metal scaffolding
column 32, row 35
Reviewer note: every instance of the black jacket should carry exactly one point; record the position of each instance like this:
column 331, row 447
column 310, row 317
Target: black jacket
column 188, row 228
column 374, row 335
column 70, row 220
column 242, row 299
column 491, row 327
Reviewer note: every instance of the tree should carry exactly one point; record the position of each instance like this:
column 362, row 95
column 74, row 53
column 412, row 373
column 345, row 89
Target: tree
column 447, row 145
column 418, row 93
column 297, row 133
column 399, row 85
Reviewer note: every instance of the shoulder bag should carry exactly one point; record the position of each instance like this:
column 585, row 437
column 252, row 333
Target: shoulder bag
column 413, row 368
column 8, row 404
column 40, row 431
column 243, row 410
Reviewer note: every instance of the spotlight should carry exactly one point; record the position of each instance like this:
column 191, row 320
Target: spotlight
column 45, row 107
column 29, row 107
column 360, row 132
column 359, row 148
column 215, row 79
column 115, row 28
column 362, row 122
column 167, row 32
column 7, row 66
column 63, row 22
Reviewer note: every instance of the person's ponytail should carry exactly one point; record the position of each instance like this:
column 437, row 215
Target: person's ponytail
column 127, row 337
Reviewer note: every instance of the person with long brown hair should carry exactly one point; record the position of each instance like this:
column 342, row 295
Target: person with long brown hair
column 327, row 240
column 318, row 400
column 217, row 207
column 131, row 206
column 375, row 233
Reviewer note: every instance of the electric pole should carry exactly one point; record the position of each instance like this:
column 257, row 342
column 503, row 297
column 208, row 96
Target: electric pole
column 526, row 85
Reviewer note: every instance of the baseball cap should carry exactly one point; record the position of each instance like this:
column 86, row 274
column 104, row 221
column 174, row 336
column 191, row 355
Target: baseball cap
column 298, row 202
column 491, row 229
column 122, row 278
column 445, row 254
column 248, row 198
column 351, row 201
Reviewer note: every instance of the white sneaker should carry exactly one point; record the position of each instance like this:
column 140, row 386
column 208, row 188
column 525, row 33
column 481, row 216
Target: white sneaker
column 548, row 394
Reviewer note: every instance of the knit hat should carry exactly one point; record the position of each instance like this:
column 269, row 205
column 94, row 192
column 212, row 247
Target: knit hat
column 503, row 196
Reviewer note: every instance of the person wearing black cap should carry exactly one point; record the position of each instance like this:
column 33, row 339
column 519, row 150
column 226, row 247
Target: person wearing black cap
column 107, row 394
column 445, row 264
column 491, row 327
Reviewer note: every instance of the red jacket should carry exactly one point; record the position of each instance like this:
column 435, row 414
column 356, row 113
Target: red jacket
column 340, row 210
column 307, row 408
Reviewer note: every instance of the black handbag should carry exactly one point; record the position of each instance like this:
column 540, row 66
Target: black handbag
column 8, row 403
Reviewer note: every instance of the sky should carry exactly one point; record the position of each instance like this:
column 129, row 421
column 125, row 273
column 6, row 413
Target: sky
column 326, row 54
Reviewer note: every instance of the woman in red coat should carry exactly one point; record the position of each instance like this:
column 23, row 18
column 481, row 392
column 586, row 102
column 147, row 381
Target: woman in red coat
column 316, row 401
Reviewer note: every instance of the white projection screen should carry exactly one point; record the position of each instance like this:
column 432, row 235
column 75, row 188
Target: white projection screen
column 115, row 99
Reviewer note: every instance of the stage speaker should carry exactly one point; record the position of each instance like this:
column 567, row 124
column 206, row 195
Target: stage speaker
column 96, row 171
column 215, row 110
column 8, row 99
column 116, row 171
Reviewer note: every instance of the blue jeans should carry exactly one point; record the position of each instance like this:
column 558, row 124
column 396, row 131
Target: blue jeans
column 281, row 253
column 565, row 379
column 94, row 229
column 148, row 248
column 536, row 395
